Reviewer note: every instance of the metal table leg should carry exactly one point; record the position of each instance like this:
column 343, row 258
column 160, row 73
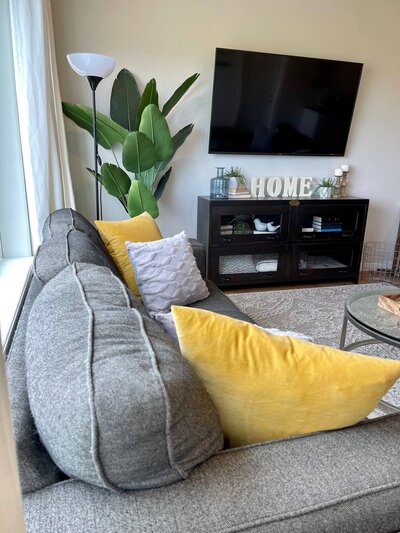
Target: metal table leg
column 344, row 331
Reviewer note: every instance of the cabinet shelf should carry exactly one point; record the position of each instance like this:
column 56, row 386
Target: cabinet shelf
column 311, row 239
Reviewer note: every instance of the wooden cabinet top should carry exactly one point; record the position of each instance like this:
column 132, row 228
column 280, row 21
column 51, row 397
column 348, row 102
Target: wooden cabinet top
column 292, row 200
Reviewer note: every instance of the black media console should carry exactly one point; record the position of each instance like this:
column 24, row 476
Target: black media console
column 297, row 239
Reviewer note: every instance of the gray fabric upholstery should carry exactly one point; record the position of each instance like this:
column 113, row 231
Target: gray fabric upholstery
column 219, row 303
column 63, row 249
column 36, row 469
column 59, row 222
column 345, row 481
column 114, row 402
column 166, row 273
column 199, row 253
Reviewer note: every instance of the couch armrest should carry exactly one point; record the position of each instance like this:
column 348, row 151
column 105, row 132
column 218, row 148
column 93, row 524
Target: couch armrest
column 199, row 253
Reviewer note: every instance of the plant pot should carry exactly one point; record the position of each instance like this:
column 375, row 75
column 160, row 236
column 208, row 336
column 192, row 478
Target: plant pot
column 325, row 192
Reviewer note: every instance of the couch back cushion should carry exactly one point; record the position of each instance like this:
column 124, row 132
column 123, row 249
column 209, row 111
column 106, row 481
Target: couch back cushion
column 36, row 468
column 114, row 402
column 61, row 221
column 63, row 249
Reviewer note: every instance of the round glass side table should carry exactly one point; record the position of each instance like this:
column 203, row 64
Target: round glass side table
column 363, row 312
column 381, row 326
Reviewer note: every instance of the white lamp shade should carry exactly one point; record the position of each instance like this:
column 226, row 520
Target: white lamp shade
column 86, row 64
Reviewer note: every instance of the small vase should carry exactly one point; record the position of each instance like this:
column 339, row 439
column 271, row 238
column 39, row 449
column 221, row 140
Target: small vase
column 219, row 185
column 325, row 192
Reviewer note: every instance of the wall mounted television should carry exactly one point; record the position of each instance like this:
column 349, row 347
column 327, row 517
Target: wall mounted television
column 281, row 105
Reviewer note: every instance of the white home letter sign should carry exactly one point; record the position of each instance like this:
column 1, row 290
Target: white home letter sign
column 290, row 186
column 285, row 187
column 274, row 187
column 258, row 187
column 305, row 185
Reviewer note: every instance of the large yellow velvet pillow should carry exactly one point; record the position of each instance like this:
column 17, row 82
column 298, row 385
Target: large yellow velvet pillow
column 142, row 228
column 267, row 387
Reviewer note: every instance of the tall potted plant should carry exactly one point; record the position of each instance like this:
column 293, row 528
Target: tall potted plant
column 138, row 124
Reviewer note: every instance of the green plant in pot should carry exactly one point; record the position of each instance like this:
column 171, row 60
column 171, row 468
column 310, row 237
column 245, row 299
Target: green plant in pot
column 325, row 187
column 139, row 125
column 236, row 172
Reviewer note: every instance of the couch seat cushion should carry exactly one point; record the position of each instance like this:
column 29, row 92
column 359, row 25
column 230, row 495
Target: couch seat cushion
column 345, row 481
column 114, row 402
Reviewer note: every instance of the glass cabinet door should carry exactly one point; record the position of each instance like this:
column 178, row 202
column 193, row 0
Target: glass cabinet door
column 249, row 224
column 236, row 265
column 325, row 262
column 329, row 222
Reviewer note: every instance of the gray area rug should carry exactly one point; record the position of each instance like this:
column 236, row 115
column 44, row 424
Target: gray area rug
column 317, row 312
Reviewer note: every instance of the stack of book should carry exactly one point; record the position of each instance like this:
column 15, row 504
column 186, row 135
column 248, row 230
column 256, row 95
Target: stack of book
column 238, row 192
column 327, row 224
column 226, row 229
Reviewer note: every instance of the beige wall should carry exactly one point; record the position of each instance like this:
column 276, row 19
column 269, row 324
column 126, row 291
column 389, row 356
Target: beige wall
column 171, row 39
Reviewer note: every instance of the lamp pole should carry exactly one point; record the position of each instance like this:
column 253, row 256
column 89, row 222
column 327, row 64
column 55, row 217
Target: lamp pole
column 93, row 82
column 94, row 67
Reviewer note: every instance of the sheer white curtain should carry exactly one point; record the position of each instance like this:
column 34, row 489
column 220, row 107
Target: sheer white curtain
column 44, row 148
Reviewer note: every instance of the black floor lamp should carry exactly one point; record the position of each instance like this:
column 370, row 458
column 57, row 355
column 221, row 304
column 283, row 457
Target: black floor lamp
column 94, row 67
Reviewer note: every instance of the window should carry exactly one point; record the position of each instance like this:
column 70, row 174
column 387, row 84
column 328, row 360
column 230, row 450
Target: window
column 15, row 243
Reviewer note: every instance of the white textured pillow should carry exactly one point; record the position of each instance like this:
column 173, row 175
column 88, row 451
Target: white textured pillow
column 167, row 322
column 166, row 273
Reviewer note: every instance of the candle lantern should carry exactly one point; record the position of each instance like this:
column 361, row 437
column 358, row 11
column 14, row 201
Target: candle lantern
column 343, row 183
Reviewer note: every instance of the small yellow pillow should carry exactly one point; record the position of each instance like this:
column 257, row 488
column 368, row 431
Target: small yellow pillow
column 142, row 228
column 268, row 387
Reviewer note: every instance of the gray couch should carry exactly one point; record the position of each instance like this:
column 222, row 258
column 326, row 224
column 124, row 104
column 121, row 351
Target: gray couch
column 338, row 481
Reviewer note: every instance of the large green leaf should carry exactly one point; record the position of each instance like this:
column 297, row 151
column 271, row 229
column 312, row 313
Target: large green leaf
column 138, row 152
column 149, row 96
column 155, row 127
column 180, row 91
column 140, row 199
column 148, row 177
column 161, row 184
column 115, row 180
column 122, row 199
column 177, row 141
column 108, row 131
column 125, row 99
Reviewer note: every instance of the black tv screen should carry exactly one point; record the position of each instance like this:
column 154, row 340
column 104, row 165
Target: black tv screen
column 279, row 104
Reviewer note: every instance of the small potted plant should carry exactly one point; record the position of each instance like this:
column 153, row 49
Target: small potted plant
column 325, row 187
column 237, row 174
column 237, row 181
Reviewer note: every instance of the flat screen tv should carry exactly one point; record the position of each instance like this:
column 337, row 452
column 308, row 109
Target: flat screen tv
column 281, row 105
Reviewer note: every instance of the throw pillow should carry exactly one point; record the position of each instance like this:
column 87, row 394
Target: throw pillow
column 114, row 234
column 268, row 387
column 114, row 402
column 166, row 273
column 280, row 332
column 167, row 322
